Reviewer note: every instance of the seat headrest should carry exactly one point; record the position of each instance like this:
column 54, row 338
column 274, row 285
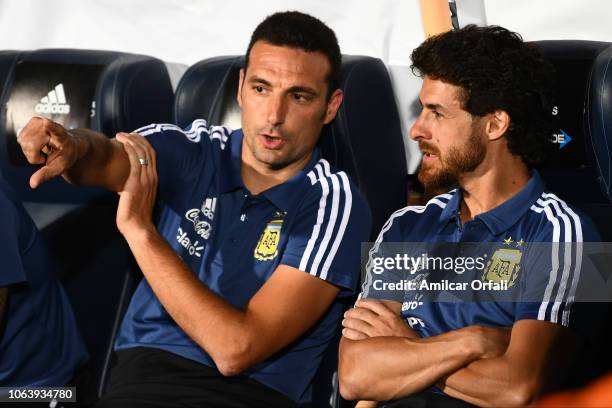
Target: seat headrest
column 365, row 139
column 208, row 90
column 570, row 170
column 103, row 90
column 598, row 115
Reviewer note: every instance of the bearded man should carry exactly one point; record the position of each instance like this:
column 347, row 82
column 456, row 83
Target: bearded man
column 484, row 126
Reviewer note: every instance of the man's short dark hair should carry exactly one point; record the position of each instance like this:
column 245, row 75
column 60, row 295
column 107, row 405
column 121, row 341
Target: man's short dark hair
column 302, row 31
column 497, row 71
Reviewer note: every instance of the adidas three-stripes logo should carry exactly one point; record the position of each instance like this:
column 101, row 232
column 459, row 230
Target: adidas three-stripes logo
column 54, row 102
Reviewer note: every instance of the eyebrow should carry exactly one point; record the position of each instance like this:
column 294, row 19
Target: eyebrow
column 431, row 106
column 258, row 80
column 297, row 88
column 303, row 89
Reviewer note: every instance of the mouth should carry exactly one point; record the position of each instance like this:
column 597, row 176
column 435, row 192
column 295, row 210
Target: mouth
column 429, row 152
column 427, row 156
column 272, row 142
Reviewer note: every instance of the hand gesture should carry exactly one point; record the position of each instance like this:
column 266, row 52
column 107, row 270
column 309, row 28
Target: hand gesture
column 46, row 142
column 137, row 198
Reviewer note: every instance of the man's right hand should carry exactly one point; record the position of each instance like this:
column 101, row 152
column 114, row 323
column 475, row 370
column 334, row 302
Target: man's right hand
column 46, row 142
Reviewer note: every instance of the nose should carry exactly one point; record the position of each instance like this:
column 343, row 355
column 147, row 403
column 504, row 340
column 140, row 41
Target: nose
column 276, row 110
column 418, row 130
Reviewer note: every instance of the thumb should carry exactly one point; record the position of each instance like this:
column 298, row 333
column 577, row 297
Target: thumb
column 43, row 174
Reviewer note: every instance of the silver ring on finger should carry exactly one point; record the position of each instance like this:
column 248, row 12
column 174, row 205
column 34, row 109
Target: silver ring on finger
column 143, row 162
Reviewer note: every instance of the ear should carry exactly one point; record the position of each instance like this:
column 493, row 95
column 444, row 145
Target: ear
column 497, row 124
column 240, row 83
column 333, row 105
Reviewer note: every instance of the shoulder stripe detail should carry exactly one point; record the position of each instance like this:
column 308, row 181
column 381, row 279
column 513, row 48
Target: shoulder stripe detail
column 554, row 258
column 312, row 177
column 572, row 258
column 438, row 200
column 194, row 133
column 144, row 128
column 331, row 223
column 320, row 215
column 314, row 174
column 345, row 218
column 577, row 265
column 332, row 219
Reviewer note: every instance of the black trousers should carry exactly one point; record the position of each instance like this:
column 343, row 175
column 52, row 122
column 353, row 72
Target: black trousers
column 153, row 378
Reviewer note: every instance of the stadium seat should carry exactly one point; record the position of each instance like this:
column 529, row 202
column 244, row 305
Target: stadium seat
column 365, row 140
column 579, row 170
column 108, row 92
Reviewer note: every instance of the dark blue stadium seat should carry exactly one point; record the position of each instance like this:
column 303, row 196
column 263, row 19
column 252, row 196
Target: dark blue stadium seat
column 108, row 92
column 579, row 170
column 365, row 140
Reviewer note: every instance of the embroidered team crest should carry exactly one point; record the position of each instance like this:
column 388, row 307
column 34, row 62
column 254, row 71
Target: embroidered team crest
column 503, row 266
column 267, row 246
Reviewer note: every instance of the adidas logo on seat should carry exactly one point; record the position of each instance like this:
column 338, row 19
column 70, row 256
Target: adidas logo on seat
column 54, row 102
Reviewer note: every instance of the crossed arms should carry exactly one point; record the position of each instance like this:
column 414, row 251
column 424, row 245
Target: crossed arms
column 381, row 360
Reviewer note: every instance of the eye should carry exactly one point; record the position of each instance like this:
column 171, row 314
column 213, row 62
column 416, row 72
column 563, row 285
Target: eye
column 300, row 97
column 258, row 89
column 436, row 114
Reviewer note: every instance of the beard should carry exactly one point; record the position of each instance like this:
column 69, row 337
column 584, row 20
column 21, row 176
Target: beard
column 441, row 176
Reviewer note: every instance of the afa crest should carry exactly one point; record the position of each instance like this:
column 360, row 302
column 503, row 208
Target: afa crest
column 267, row 246
column 504, row 266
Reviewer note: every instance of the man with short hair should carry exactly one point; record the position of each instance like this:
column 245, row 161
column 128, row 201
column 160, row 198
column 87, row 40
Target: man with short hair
column 484, row 125
column 257, row 242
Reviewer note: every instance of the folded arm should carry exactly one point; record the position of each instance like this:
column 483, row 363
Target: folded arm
column 288, row 304
column 539, row 352
column 285, row 307
column 387, row 368
column 483, row 366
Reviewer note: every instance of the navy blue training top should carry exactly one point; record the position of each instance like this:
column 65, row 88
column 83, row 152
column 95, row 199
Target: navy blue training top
column 233, row 241
column 519, row 249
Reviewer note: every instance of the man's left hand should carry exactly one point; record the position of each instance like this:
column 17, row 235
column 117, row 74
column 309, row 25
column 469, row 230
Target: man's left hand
column 137, row 199
column 374, row 318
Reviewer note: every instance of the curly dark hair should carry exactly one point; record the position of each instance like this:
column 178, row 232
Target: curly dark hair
column 305, row 32
column 497, row 71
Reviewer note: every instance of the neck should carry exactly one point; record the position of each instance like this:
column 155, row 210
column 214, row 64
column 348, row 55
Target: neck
column 495, row 181
column 258, row 177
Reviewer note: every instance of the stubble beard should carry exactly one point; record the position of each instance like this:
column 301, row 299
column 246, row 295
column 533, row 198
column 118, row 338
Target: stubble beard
column 445, row 173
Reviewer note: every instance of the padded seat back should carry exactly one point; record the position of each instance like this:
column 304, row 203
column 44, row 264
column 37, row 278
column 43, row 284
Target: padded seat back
column 104, row 90
column 580, row 169
column 109, row 92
